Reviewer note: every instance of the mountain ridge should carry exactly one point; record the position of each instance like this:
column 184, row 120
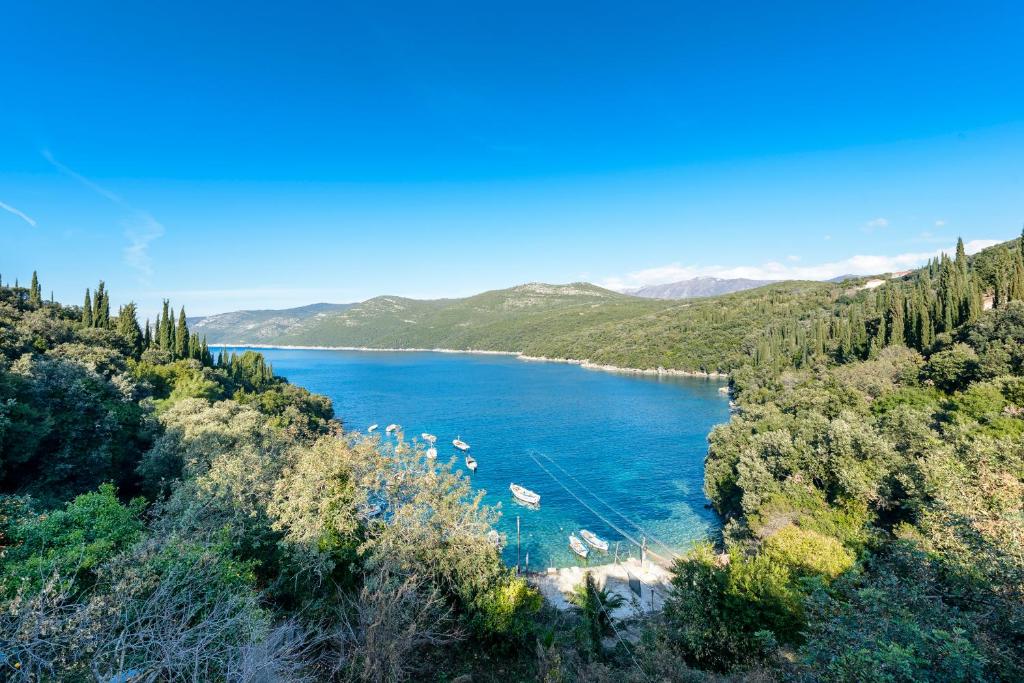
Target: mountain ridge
column 697, row 287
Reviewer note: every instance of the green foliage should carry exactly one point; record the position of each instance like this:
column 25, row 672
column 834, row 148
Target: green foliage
column 69, row 543
column 716, row 618
column 808, row 552
column 888, row 625
column 507, row 610
column 954, row 368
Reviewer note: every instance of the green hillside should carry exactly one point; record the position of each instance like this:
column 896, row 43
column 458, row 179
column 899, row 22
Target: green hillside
column 578, row 320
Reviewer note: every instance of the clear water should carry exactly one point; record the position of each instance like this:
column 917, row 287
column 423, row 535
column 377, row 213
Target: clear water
column 636, row 444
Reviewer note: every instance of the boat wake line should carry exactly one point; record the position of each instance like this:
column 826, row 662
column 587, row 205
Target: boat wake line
column 671, row 554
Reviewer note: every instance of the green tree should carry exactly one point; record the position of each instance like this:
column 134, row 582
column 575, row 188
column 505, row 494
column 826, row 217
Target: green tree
column 87, row 310
column 181, row 337
column 128, row 328
column 35, row 292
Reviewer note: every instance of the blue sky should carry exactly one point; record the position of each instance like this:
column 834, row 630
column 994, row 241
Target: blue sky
column 273, row 154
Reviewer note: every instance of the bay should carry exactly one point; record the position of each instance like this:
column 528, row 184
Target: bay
column 620, row 455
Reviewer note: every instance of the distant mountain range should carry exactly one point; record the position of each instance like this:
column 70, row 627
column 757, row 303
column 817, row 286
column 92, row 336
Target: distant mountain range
column 696, row 287
column 707, row 331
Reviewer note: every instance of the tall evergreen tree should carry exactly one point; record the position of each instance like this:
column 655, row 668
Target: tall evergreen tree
column 172, row 341
column 128, row 328
column 87, row 310
column 895, row 318
column 101, row 307
column 35, row 292
column 147, row 336
column 961, row 257
column 181, row 336
column 163, row 331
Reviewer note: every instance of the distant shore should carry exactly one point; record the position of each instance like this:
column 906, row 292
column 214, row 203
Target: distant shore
column 586, row 364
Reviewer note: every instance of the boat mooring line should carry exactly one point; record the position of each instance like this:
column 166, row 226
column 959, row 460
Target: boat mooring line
column 587, row 505
column 672, row 554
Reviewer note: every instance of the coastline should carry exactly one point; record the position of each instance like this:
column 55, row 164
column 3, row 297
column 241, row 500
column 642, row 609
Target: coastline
column 583, row 363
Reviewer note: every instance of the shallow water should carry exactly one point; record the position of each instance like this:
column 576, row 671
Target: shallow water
column 635, row 445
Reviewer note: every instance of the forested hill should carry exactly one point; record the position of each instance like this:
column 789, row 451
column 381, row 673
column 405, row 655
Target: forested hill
column 579, row 321
column 786, row 323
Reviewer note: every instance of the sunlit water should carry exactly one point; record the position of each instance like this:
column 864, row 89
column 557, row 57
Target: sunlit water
column 635, row 445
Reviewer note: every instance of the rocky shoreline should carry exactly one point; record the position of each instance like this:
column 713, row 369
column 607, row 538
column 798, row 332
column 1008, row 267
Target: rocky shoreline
column 586, row 364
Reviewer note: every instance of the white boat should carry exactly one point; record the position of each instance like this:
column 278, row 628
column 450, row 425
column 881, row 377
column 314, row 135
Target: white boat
column 594, row 540
column 431, row 453
column 524, row 494
column 371, row 427
column 391, row 428
column 460, row 444
column 471, row 462
column 429, row 438
column 578, row 547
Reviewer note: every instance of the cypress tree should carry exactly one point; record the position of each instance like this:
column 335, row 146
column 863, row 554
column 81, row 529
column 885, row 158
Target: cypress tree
column 97, row 303
column 164, row 328
column 181, row 336
column 1017, row 276
column 961, row 257
column 101, row 307
column 895, row 318
column 880, row 336
column 128, row 328
column 147, row 337
column 35, row 292
column 207, row 356
column 87, row 310
column 172, row 342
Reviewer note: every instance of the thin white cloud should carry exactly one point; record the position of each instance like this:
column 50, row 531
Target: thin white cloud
column 792, row 258
column 95, row 187
column 877, row 223
column 939, row 223
column 860, row 264
column 141, row 229
column 20, row 214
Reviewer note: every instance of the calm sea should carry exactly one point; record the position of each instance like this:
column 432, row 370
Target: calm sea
column 624, row 454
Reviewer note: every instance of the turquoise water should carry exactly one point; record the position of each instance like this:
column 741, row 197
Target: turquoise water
column 636, row 443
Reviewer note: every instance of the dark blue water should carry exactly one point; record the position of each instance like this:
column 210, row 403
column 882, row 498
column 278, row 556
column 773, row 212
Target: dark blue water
column 637, row 443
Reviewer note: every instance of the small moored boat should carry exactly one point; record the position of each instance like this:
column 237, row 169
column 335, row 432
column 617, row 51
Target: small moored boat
column 371, row 427
column 429, row 438
column 431, row 453
column 460, row 444
column 594, row 540
column 578, row 547
column 391, row 428
column 471, row 462
column 524, row 494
